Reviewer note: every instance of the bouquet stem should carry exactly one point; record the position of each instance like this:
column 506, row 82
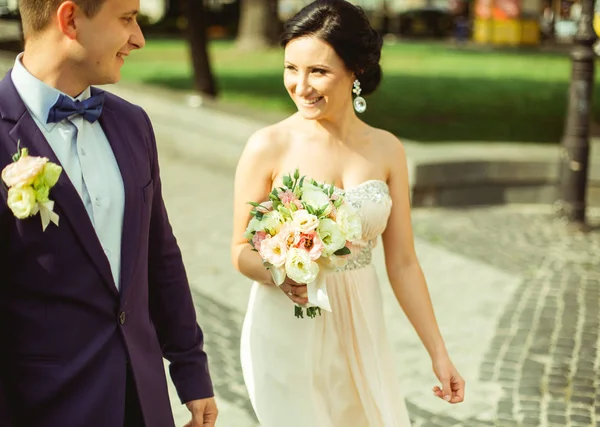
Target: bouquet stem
column 310, row 312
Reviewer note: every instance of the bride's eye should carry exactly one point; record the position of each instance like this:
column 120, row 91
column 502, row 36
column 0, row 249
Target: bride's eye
column 319, row 71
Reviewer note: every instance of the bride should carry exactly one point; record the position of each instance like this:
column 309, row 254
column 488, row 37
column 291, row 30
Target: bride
column 337, row 369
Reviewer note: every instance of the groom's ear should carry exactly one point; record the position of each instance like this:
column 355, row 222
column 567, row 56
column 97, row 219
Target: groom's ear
column 66, row 16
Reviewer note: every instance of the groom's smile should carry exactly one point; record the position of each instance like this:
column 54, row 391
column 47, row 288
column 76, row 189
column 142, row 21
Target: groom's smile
column 113, row 31
column 121, row 56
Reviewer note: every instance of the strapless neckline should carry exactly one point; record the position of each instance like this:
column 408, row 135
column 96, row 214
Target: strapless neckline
column 362, row 184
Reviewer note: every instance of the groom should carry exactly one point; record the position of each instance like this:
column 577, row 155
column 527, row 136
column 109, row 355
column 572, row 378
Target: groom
column 89, row 307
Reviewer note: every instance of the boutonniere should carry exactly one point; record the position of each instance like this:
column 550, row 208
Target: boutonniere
column 29, row 180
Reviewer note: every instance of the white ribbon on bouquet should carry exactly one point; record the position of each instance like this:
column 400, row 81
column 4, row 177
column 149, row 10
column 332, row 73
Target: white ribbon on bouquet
column 316, row 290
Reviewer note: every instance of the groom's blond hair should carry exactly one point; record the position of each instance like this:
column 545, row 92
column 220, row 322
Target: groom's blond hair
column 37, row 14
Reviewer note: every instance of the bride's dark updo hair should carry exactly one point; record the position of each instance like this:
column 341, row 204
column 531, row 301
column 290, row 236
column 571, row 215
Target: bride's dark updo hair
column 346, row 28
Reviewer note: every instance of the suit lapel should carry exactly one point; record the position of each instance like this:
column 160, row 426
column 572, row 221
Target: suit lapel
column 71, row 207
column 119, row 142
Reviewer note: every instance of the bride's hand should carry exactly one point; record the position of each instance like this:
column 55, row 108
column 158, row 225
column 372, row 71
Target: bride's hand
column 453, row 385
column 294, row 291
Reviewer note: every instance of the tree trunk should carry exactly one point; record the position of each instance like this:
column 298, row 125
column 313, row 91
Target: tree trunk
column 204, row 81
column 174, row 9
column 259, row 24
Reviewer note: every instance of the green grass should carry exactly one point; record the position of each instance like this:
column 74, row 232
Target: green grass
column 430, row 92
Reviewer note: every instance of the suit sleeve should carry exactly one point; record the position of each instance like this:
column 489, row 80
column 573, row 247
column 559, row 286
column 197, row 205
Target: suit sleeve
column 5, row 418
column 171, row 307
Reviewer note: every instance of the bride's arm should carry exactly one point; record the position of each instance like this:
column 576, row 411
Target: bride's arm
column 253, row 180
column 403, row 268
column 407, row 278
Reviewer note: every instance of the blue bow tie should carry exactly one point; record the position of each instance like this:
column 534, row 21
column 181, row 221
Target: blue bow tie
column 65, row 107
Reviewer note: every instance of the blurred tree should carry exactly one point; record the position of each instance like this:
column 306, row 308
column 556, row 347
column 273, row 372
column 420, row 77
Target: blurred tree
column 174, row 9
column 204, row 81
column 174, row 19
column 259, row 24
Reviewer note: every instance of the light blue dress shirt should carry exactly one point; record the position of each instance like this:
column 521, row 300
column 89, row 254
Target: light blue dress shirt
column 87, row 158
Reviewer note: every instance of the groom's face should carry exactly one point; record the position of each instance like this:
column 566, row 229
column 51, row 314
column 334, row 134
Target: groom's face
column 107, row 38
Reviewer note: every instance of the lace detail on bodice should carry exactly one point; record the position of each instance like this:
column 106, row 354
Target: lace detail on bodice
column 372, row 201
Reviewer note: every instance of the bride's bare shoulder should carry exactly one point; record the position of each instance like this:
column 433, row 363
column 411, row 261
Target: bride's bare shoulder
column 271, row 140
column 388, row 144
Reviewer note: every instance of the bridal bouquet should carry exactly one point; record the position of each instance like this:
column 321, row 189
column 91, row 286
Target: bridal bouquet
column 303, row 231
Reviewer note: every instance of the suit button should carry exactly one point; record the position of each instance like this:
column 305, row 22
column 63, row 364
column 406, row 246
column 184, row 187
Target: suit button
column 122, row 317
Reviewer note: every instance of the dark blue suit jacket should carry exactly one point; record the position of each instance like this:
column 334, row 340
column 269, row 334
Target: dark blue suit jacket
column 66, row 333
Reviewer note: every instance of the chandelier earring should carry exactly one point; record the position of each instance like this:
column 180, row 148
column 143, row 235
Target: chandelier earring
column 360, row 105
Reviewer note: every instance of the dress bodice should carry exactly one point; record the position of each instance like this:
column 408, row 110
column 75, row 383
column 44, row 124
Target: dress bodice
column 371, row 200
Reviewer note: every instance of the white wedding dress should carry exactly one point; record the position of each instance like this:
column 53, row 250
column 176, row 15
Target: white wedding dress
column 335, row 370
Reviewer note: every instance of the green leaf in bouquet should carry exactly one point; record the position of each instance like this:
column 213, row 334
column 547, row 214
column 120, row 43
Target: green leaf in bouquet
column 338, row 203
column 301, row 183
column 293, row 207
column 287, row 181
column 343, row 251
column 285, row 211
column 259, row 215
column 256, row 205
column 309, row 208
column 297, row 173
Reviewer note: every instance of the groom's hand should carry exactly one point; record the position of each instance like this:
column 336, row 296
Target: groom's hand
column 204, row 412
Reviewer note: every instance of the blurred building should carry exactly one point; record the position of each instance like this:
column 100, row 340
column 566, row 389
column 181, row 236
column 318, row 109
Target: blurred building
column 507, row 22
column 411, row 18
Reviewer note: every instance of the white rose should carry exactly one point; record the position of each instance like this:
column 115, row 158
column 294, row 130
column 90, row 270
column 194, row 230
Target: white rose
column 304, row 222
column 21, row 201
column 299, row 267
column 271, row 222
column 331, row 235
column 316, row 198
column 349, row 222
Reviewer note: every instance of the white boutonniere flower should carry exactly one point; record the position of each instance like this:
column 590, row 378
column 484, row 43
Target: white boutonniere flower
column 29, row 180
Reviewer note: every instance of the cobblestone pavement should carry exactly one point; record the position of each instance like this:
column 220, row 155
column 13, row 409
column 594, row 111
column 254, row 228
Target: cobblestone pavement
column 545, row 349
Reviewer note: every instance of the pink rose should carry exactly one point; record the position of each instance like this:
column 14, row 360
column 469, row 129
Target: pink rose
column 289, row 234
column 273, row 250
column 24, row 171
column 287, row 197
column 312, row 244
column 259, row 236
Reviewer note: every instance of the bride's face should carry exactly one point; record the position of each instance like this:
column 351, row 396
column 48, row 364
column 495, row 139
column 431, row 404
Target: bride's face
column 316, row 78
